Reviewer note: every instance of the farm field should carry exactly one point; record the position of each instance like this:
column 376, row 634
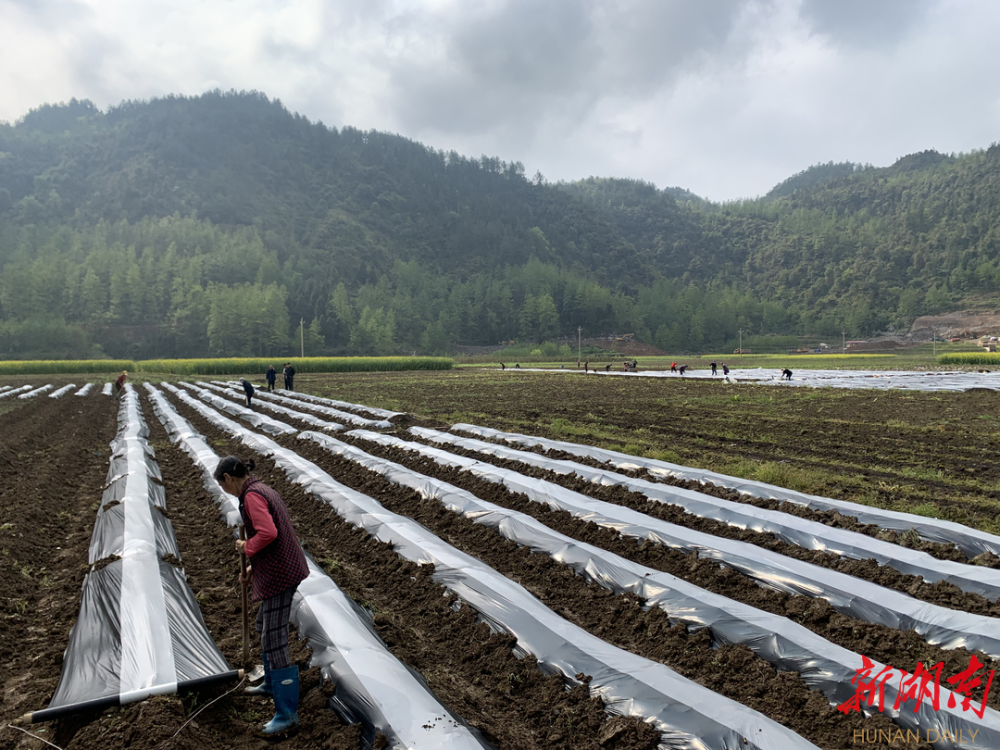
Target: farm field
column 925, row 453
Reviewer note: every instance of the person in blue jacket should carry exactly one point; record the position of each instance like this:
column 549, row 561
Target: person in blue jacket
column 271, row 375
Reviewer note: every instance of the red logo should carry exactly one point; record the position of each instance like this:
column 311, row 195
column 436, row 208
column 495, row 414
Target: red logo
column 923, row 684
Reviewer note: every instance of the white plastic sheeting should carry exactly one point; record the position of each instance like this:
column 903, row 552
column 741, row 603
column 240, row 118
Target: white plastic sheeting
column 16, row 391
column 689, row 716
column 139, row 632
column 852, row 596
column 873, row 379
column 261, row 421
column 36, row 391
column 234, row 392
column 383, row 413
column 106, row 390
column 788, row 646
column 372, row 686
column 85, row 391
column 328, row 411
column 62, row 391
column 789, row 528
column 971, row 541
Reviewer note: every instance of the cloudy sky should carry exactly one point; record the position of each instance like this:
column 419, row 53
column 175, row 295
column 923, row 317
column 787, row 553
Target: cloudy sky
column 723, row 97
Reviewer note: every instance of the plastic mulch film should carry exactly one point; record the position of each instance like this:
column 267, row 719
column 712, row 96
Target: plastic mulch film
column 62, row 391
column 854, row 379
column 260, row 421
column 16, row 391
column 140, row 632
column 372, row 687
column 106, row 390
column 383, row 413
column 971, row 541
column 85, row 391
column 689, row 716
column 787, row 527
column 36, row 391
column 328, row 411
column 851, row 596
column 785, row 644
column 237, row 392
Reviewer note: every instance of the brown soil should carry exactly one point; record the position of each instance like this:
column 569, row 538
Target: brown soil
column 868, row 441
column 733, row 671
column 942, row 593
column 474, row 672
column 878, row 642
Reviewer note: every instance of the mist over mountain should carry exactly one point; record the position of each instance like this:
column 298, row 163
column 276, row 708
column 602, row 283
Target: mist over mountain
column 216, row 224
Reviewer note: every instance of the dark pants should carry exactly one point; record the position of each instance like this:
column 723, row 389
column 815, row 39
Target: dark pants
column 270, row 385
column 291, row 382
column 272, row 627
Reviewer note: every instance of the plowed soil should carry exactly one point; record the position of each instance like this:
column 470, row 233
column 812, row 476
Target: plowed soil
column 895, row 449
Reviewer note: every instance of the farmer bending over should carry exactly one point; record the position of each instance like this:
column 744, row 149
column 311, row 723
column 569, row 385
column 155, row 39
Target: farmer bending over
column 786, row 374
column 120, row 383
column 277, row 566
column 248, row 390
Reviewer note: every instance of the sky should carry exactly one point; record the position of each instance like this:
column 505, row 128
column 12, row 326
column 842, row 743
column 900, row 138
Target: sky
column 725, row 98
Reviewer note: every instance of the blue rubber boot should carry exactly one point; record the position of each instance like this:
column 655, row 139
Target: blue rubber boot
column 285, row 684
column 264, row 688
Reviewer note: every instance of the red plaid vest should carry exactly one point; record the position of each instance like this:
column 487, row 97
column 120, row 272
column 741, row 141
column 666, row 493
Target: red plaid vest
column 281, row 564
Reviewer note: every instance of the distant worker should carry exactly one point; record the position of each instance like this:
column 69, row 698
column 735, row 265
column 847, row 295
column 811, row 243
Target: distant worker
column 673, row 367
column 607, row 367
column 635, row 365
column 682, row 369
column 714, row 370
column 248, row 390
column 725, row 369
column 586, row 366
column 503, row 366
column 120, row 383
column 786, row 374
column 291, row 377
column 284, row 374
column 517, row 366
column 270, row 376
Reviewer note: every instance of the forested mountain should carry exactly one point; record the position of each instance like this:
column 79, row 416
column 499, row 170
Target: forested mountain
column 215, row 224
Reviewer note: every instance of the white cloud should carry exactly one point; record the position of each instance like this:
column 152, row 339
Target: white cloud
column 724, row 97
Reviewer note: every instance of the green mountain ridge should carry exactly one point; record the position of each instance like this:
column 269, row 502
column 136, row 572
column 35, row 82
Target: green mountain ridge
column 216, row 224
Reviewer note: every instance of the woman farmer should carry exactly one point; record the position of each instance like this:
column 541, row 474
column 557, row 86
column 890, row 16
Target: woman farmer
column 277, row 566
column 120, row 383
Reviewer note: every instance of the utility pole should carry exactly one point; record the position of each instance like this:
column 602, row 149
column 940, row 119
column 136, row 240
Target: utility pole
column 741, row 343
column 579, row 344
column 843, row 339
column 302, row 336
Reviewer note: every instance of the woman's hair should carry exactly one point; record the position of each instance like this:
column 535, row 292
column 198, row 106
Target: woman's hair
column 234, row 467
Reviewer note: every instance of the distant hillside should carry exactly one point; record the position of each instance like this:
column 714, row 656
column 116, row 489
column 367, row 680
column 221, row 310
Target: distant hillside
column 218, row 224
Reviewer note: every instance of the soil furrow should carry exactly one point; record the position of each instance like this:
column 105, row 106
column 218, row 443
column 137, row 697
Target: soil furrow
column 878, row 642
column 473, row 671
column 54, row 461
column 732, row 671
column 941, row 593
